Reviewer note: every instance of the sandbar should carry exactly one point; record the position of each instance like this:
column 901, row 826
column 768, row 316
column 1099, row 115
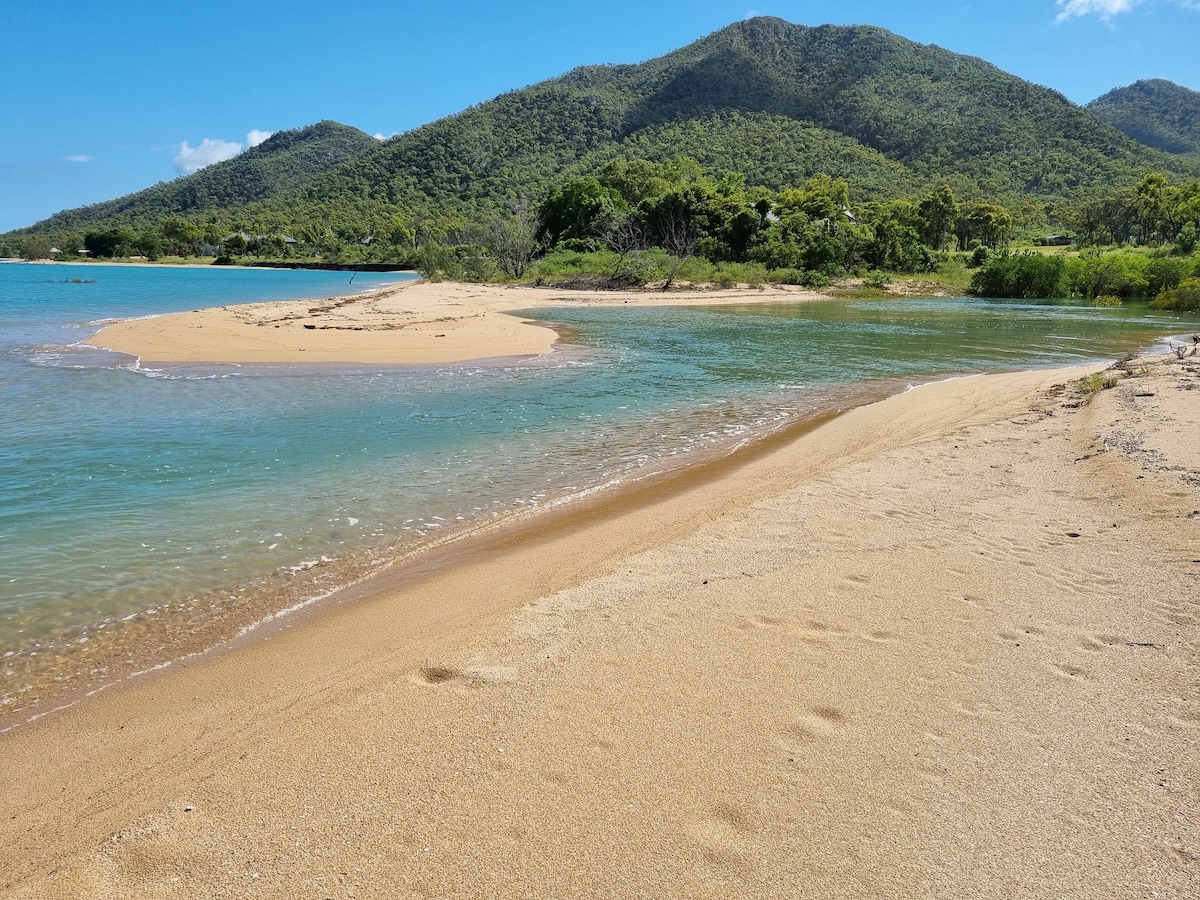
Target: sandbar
column 419, row 323
column 943, row 645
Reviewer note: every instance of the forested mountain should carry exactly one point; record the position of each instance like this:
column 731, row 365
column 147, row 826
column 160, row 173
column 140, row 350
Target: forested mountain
column 773, row 101
column 1159, row 113
column 284, row 162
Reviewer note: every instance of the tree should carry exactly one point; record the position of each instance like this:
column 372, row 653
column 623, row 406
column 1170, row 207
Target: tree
column 512, row 239
column 582, row 209
column 1187, row 239
column 678, row 237
column 1152, row 203
column 937, row 212
column 113, row 243
column 37, row 246
column 988, row 223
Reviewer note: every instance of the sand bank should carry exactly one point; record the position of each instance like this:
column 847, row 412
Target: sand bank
column 417, row 323
column 941, row 646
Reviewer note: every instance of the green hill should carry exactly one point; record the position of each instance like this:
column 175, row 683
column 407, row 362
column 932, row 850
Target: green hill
column 776, row 101
column 286, row 161
column 1159, row 113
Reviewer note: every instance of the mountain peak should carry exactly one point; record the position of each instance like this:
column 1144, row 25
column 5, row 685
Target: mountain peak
column 1155, row 111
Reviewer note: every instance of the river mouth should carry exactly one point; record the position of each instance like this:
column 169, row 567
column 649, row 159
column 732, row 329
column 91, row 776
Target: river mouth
column 58, row 670
column 154, row 517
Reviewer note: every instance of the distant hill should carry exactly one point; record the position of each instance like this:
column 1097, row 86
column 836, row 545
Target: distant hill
column 1159, row 113
column 891, row 114
column 285, row 162
column 776, row 101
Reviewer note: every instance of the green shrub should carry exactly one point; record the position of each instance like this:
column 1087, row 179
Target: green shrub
column 1120, row 274
column 1184, row 298
column 1021, row 276
column 1106, row 300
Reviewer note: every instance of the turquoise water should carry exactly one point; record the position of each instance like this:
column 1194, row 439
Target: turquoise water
column 183, row 493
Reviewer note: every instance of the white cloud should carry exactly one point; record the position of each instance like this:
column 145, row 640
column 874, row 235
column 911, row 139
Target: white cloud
column 380, row 136
column 79, row 158
column 1106, row 9
column 214, row 150
column 210, row 151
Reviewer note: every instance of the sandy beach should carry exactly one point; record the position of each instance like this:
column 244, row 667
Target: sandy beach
column 939, row 646
column 417, row 323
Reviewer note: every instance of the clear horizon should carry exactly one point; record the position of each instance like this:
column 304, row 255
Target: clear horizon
column 103, row 101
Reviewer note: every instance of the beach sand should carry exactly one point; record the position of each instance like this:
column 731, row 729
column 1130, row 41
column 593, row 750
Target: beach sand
column 939, row 646
column 416, row 323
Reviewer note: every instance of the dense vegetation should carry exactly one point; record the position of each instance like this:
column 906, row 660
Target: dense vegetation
column 1158, row 113
column 766, row 150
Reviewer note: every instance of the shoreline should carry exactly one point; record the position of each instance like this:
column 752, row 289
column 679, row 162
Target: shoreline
column 144, row 644
column 417, row 323
column 948, row 619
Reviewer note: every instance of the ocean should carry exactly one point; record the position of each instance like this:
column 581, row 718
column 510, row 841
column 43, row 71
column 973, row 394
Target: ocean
column 150, row 512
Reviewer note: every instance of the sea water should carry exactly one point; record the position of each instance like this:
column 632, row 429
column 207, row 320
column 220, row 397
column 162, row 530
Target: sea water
column 144, row 510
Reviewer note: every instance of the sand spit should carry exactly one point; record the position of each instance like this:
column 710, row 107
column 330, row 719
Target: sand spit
column 941, row 646
column 418, row 323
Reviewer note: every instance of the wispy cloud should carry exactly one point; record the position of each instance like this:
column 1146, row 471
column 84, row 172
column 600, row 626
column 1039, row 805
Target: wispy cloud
column 380, row 136
column 79, row 158
column 190, row 159
column 1106, row 9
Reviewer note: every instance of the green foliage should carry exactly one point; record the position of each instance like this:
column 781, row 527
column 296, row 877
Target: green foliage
column 1187, row 239
column 1118, row 274
column 1021, row 276
column 1153, row 211
column 1155, row 112
column 1090, row 385
column 581, row 209
column 1184, row 298
column 1106, row 300
column 778, row 103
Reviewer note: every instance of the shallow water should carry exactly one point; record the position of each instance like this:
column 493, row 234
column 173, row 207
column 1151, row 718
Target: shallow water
column 178, row 493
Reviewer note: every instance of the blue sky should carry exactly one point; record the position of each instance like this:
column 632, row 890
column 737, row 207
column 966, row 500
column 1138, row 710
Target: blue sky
column 99, row 99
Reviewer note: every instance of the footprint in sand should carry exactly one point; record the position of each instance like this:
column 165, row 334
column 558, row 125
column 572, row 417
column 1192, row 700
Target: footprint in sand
column 1072, row 672
column 725, row 833
column 818, row 724
column 433, row 674
column 880, row 636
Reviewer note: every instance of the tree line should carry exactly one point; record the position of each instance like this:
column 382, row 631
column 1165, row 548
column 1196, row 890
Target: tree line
column 636, row 221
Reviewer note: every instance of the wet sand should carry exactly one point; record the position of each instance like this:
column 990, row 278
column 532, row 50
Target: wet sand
column 942, row 645
column 417, row 323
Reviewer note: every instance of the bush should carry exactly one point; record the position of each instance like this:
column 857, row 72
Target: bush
column 1120, row 274
column 803, row 277
column 1164, row 274
column 1021, row 276
column 1184, row 298
column 1107, row 300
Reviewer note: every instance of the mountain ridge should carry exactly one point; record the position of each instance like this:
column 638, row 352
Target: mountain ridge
column 894, row 115
column 1154, row 111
